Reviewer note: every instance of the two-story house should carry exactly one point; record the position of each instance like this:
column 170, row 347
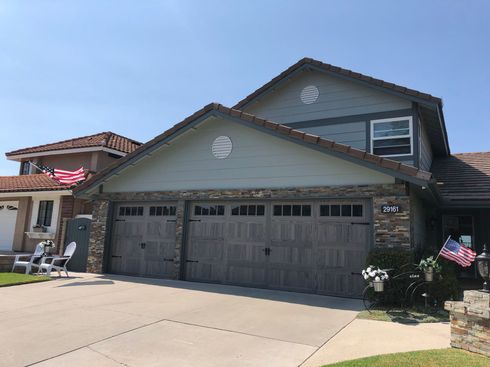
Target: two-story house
column 33, row 199
column 290, row 188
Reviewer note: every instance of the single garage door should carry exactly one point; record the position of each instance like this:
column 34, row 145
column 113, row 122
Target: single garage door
column 298, row 246
column 8, row 218
column 143, row 239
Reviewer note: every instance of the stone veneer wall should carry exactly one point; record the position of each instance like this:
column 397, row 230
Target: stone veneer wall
column 470, row 322
column 390, row 230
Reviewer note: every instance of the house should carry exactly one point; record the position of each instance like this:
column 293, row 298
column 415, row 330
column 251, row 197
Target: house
column 290, row 188
column 32, row 198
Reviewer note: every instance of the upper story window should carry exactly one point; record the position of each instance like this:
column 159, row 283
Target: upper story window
column 25, row 168
column 45, row 212
column 392, row 137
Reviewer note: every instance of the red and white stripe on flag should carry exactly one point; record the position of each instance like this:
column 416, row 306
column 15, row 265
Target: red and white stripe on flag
column 69, row 177
column 458, row 253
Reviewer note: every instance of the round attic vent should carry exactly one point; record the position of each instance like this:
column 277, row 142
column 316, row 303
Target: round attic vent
column 222, row 147
column 309, row 94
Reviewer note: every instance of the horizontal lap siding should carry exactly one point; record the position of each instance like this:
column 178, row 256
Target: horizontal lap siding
column 425, row 150
column 352, row 133
column 338, row 97
column 257, row 160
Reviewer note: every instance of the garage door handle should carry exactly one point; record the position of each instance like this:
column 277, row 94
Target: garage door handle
column 194, row 220
column 164, row 259
column 192, row 261
column 120, row 220
column 171, row 220
column 115, row 256
column 361, row 223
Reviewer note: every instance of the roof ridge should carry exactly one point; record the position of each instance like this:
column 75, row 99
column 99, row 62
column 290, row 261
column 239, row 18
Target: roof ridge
column 465, row 153
column 338, row 70
column 56, row 142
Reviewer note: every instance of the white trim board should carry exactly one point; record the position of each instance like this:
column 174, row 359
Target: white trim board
column 391, row 119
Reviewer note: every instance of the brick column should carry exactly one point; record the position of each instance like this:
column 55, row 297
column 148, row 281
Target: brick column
column 98, row 230
column 179, row 238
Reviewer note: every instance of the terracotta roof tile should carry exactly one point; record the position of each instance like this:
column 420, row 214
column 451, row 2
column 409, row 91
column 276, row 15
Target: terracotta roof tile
column 463, row 177
column 105, row 139
column 37, row 182
column 338, row 70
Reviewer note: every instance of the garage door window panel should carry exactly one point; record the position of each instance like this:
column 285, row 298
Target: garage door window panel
column 131, row 211
column 162, row 211
column 295, row 210
column 250, row 210
column 209, row 210
column 341, row 210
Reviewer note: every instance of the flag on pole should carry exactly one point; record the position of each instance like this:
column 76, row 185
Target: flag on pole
column 458, row 253
column 62, row 176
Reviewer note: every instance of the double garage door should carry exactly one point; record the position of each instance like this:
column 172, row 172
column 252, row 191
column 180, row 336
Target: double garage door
column 298, row 246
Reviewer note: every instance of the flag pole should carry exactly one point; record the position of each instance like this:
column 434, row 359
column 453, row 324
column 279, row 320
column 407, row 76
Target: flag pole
column 32, row 164
column 442, row 248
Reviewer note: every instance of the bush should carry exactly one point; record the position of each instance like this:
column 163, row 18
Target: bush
column 391, row 258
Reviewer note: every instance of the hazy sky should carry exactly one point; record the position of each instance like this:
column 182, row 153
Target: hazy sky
column 73, row 68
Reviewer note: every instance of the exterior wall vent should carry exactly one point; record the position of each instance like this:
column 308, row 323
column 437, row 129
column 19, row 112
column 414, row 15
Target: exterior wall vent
column 222, row 147
column 309, row 94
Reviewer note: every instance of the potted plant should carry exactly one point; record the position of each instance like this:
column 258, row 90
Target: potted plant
column 429, row 266
column 48, row 246
column 376, row 277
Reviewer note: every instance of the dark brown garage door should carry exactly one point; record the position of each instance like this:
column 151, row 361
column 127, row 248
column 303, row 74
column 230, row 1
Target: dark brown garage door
column 297, row 246
column 143, row 239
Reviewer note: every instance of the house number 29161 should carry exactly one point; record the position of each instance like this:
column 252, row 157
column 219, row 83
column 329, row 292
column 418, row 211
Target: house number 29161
column 389, row 209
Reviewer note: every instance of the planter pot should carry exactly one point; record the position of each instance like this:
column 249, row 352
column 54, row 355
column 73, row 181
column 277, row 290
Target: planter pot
column 379, row 286
column 429, row 275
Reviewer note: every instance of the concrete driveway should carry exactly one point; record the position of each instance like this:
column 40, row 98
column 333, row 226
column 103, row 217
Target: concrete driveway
column 114, row 320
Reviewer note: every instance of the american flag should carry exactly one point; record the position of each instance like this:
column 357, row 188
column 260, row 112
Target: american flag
column 62, row 176
column 457, row 252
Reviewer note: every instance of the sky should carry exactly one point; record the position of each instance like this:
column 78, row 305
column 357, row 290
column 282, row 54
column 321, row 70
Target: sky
column 78, row 67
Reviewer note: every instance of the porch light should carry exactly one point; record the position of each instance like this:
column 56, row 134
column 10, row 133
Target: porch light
column 483, row 263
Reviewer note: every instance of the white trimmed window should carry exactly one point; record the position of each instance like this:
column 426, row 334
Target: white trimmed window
column 392, row 137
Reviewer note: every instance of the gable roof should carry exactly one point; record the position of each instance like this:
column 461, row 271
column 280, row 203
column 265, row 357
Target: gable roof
column 430, row 106
column 105, row 140
column 342, row 151
column 463, row 178
column 35, row 182
column 407, row 92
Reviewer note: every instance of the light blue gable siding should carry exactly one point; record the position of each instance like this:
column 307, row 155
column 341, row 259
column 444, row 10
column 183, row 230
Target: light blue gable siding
column 338, row 97
column 258, row 160
column 351, row 133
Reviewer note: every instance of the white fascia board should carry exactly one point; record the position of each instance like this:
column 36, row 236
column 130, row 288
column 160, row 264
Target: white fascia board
column 35, row 193
column 19, row 157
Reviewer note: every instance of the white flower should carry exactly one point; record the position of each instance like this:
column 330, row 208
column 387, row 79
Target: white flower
column 377, row 279
column 368, row 269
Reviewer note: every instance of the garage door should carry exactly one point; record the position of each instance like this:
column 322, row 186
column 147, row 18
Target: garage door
column 8, row 218
column 296, row 246
column 143, row 239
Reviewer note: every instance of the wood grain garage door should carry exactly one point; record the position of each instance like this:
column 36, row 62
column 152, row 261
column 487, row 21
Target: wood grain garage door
column 143, row 239
column 308, row 246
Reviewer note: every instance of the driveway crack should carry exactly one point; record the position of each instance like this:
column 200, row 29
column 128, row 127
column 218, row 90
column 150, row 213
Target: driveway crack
column 108, row 357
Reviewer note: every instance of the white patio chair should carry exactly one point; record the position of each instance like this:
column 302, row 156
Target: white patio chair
column 29, row 264
column 58, row 263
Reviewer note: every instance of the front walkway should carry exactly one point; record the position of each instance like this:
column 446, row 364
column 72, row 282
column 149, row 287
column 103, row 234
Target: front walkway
column 115, row 320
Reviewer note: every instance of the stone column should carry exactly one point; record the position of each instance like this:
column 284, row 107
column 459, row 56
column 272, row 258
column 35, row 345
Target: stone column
column 470, row 322
column 392, row 229
column 98, row 230
column 179, row 238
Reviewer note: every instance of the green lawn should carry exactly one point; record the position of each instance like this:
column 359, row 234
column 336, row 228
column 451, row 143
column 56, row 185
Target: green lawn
column 425, row 358
column 7, row 279
column 410, row 316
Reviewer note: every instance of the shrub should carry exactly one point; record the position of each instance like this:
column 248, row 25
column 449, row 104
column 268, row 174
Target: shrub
column 390, row 258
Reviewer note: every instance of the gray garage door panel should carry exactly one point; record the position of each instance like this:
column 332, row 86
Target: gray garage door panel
column 310, row 253
column 143, row 239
